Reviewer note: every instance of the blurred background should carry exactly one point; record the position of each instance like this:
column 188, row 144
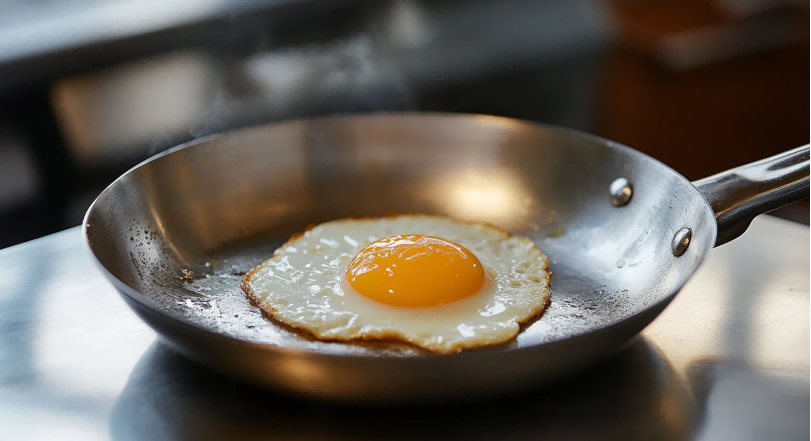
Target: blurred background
column 89, row 88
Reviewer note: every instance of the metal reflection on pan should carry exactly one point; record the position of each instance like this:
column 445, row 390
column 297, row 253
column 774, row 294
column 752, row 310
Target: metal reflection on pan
column 635, row 395
column 244, row 193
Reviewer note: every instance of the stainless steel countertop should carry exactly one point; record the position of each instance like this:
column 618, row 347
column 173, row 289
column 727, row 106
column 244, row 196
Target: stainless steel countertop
column 728, row 360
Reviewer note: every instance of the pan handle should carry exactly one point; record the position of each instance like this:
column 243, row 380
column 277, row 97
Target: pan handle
column 738, row 195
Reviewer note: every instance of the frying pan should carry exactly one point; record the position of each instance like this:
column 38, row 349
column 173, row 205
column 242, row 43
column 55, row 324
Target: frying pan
column 622, row 231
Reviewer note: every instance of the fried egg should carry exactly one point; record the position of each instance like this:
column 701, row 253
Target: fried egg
column 436, row 283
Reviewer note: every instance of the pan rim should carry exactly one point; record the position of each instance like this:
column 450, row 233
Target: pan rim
column 486, row 351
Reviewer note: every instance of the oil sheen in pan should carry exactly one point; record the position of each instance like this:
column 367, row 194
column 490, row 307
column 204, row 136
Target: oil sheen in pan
column 209, row 295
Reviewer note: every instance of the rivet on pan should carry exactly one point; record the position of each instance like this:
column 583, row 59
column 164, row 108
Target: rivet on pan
column 621, row 192
column 681, row 240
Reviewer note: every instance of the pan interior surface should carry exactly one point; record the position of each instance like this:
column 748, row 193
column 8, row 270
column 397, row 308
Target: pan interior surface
column 179, row 231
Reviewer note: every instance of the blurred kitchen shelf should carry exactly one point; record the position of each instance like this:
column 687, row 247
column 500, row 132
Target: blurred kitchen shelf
column 702, row 89
column 645, row 78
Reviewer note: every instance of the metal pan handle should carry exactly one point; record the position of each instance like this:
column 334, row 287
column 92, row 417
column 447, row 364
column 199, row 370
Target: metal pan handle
column 740, row 194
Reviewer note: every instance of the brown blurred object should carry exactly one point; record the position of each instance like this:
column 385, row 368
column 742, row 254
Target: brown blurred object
column 704, row 88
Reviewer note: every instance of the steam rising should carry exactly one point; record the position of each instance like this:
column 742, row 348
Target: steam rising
column 346, row 77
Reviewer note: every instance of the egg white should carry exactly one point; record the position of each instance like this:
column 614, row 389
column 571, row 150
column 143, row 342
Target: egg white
column 304, row 286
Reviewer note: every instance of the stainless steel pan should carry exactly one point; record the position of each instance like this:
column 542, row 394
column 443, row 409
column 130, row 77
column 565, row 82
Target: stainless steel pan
column 623, row 233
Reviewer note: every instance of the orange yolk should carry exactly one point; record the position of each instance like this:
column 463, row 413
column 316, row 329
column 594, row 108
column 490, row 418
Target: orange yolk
column 415, row 271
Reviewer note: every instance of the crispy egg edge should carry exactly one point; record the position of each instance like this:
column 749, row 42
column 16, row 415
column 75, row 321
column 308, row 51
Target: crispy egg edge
column 394, row 336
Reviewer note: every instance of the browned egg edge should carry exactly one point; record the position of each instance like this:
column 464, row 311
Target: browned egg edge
column 391, row 336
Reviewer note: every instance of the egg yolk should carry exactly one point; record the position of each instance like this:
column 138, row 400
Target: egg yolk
column 415, row 271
